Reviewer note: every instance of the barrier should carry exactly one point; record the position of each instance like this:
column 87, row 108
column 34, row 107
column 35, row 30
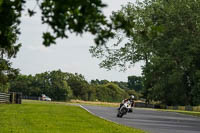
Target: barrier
column 144, row 105
column 12, row 97
column 184, row 108
column 4, row 98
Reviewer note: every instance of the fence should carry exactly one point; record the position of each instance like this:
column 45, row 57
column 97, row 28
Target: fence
column 12, row 97
column 184, row 108
column 30, row 98
column 4, row 98
column 144, row 105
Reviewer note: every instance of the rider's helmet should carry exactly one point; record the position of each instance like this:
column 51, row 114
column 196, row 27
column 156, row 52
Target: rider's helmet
column 132, row 97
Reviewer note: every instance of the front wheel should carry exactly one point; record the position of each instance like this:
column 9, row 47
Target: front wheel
column 121, row 112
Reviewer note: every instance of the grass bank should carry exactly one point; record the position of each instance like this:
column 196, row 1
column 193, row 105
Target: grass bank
column 107, row 104
column 193, row 113
column 47, row 117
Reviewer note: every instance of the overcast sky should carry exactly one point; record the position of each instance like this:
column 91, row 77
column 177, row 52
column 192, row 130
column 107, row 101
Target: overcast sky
column 69, row 55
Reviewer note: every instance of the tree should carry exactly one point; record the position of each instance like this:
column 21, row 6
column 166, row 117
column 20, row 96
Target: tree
column 53, row 84
column 23, row 83
column 135, row 83
column 165, row 36
column 110, row 92
column 99, row 82
column 92, row 93
column 136, row 94
column 62, row 86
column 10, row 13
column 79, row 86
column 58, row 86
column 77, row 16
column 121, row 84
column 62, row 16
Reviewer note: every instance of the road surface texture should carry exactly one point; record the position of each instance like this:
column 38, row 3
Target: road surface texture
column 149, row 120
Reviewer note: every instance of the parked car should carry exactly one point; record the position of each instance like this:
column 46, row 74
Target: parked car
column 45, row 98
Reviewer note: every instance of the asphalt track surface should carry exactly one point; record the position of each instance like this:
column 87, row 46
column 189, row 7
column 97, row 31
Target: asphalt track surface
column 149, row 120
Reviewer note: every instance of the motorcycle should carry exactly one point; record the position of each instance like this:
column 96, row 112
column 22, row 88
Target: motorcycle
column 124, row 109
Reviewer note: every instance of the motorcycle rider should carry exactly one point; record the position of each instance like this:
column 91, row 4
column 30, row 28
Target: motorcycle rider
column 131, row 99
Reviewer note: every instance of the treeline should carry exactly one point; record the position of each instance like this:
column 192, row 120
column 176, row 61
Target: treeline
column 62, row 86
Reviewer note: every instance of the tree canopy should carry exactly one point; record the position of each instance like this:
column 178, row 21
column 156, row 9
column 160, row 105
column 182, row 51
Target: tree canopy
column 62, row 16
column 165, row 36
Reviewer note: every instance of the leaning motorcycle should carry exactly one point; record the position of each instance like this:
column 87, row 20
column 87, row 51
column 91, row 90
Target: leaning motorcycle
column 124, row 109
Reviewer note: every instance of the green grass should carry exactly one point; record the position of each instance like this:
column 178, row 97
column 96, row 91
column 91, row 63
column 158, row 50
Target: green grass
column 93, row 103
column 46, row 117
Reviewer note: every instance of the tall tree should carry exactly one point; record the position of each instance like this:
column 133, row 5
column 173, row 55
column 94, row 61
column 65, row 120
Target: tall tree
column 10, row 13
column 165, row 36
column 110, row 92
column 59, row 88
column 79, row 85
column 135, row 83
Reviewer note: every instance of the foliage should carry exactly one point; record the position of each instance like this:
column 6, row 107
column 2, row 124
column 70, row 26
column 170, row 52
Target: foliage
column 58, row 87
column 53, row 84
column 6, row 74
column 23, row 83
column 135, row 83
column 75, row 16
column 165, row 36
column 121, row 84
column 63, row 17
column 137, row 95
column 63, row 86
column 10, row 13
column 79, row 86
column 99, row 82
column 110, row 92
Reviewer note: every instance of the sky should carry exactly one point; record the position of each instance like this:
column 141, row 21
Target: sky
column 69, row 55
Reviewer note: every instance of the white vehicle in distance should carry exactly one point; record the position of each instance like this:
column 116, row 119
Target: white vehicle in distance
column 45, row 98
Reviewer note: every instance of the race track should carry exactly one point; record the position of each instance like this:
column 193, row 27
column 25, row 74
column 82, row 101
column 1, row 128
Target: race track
column 150, row 121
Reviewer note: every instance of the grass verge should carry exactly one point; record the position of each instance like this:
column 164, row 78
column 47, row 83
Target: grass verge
column 193, row 113
column 46, row 117
column 107, row 104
